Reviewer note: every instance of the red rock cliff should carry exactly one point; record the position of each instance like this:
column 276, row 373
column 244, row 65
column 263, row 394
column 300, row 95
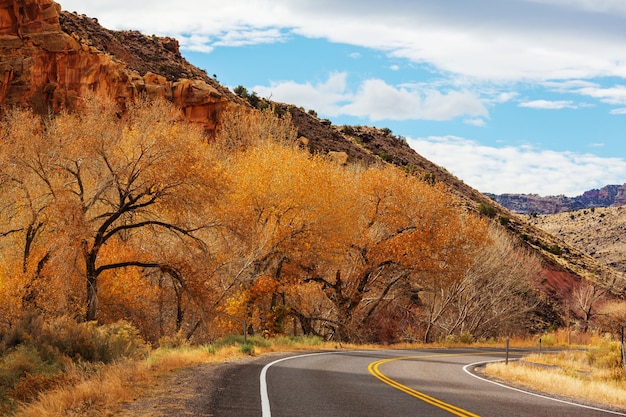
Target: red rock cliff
column 45, row 68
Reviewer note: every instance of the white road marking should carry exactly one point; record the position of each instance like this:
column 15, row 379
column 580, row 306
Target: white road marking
column 466, row 369
column 265, row 401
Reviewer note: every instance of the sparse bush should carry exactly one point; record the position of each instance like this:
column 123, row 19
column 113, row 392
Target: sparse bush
column 348, row 130
column 607, row 356
column 505, row 220
column 24, row 373
column 305, row 340
column 241, row 91
column 237, row 339
column 487, row 210
column 466, row 338
column 247, row 348
column 175, row 341
column 119, row 340
column 67, row 337
column 385, row 156
column 430, row 178
column 312, row 113
column 555, row 250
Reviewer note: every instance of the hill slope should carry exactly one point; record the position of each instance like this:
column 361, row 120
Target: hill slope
column 599, row 232
column 52, row 58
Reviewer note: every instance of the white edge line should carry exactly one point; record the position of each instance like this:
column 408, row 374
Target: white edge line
column 265, row 401
column 466, row 369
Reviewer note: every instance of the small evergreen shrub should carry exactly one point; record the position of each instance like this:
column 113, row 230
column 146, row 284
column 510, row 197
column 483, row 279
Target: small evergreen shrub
column 247, row 348
column 487, row 210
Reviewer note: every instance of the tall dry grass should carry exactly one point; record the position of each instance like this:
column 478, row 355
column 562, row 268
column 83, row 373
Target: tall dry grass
column 101, row 390
column 594, row 373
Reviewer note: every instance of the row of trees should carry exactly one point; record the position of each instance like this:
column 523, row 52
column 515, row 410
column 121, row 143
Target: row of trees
column 137, row 215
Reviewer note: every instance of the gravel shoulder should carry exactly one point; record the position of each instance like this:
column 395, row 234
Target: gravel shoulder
column 184, row 392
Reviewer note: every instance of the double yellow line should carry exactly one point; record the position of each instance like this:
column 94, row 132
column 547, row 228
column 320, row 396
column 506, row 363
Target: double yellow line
column 374, row 370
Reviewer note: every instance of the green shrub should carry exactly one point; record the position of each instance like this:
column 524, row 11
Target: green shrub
column 466, row 338
column 92, row 343
column 237, row 339
column 304, row 340
column 120, row 340
column 247, row 348
column 385, row 156
column 555, row 249
column 23, row 374
column 66, row 337
column 487, row 210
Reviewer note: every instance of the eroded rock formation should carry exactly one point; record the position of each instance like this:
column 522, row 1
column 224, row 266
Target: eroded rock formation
column 44, row 67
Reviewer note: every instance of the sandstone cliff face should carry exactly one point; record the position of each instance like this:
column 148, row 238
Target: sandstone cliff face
column 608, row 196
column 46, row 68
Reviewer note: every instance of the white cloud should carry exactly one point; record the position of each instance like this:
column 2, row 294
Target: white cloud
column 549, row 104
column 377, row 100
column 326, row 98
column 615, row 95
column 521, row 169
column 482, row 39
column 475, row 122
column 596, row 6
column 250, row 37
column 619, row 111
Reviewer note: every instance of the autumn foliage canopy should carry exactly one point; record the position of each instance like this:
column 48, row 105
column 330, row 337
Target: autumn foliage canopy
column 136, row 215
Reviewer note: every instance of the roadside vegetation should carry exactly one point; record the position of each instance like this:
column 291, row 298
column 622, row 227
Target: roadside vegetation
column 592, row 372
column 66, row 368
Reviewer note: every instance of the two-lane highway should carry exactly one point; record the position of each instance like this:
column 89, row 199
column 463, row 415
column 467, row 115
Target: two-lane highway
column 380, row 383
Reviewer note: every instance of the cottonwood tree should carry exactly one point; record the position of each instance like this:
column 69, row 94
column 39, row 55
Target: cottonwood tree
column 108, row 179
column 493, row 296
column 276, row 213
column 404, row 233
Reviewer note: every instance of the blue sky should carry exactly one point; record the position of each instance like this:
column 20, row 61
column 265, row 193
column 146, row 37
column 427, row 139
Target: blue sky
column 511, row 96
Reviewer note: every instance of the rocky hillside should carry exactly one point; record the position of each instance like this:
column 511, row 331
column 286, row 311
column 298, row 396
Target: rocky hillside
column 599, row 232
column 49, row 59
column 608, row 196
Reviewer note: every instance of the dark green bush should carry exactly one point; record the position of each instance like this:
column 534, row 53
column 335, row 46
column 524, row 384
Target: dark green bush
column 555, row 249
column 487, row 210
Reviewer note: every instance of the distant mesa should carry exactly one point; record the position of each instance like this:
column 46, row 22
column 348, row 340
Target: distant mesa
column 608, row 196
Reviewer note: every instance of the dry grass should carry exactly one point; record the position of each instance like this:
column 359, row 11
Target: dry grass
column 594, row 375
column 101, row 391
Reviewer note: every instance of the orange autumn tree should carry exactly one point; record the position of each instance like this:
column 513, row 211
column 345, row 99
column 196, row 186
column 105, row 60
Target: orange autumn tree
column 277, row 210
column 404, row 232
column 99, row 179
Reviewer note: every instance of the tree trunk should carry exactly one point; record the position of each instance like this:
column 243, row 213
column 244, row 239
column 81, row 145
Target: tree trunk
column 92, row 297
column 92, row 286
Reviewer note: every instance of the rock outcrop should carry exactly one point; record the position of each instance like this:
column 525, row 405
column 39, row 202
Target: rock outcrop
column 608, row 196
column 47, row 68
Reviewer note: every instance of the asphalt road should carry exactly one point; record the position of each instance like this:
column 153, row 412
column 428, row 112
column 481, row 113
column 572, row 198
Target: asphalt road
column 427, row 383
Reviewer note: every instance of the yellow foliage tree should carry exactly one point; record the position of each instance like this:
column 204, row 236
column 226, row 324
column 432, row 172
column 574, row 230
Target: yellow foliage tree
column 94, row 178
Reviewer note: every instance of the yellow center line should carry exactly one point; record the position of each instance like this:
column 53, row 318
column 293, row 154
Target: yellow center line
column 374, row 370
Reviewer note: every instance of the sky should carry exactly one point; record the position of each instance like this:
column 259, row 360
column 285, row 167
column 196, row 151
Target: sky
column 511, row 96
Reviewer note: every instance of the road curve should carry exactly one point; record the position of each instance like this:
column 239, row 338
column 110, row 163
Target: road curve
column 380, row 383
